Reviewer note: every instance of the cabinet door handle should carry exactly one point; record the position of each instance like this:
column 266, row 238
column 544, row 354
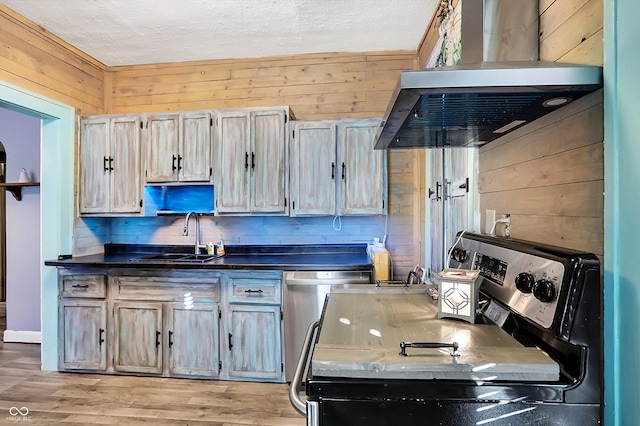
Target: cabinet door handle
column 246, row 160
column 333, row 171
column 253, row 160
column 170, row 338
column 110, row 164
column 173, row 163
column 343, row 170
column 253, row 291
column 179, row 162
column 230, row 344
column 158, row 338
column 80, row 286
column 105, row 160
column 100, row 336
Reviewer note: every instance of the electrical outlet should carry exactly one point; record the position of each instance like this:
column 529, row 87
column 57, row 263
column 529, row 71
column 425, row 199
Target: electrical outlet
column 489, row 220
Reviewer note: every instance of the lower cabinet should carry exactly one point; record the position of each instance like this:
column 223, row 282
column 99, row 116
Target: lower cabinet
column 83, row 324
column 192, row 333
column 137, row 337
column 254, row 325
column 203, row 324
column 255, row 344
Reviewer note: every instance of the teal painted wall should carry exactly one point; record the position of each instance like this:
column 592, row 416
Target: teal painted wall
column 622, row 212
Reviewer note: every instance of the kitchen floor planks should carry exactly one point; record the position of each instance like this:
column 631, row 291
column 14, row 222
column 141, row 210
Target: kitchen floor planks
column 70, row 398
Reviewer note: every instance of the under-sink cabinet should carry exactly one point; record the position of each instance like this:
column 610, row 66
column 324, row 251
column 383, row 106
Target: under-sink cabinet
column 166, row 324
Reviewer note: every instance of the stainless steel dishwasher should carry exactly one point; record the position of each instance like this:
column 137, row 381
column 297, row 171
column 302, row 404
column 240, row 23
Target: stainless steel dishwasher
column 304, row 294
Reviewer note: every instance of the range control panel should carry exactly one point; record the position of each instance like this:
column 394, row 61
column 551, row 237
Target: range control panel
column 527, row 284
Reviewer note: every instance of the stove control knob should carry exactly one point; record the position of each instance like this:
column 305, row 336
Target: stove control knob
column 544, row 290
column 524, row 282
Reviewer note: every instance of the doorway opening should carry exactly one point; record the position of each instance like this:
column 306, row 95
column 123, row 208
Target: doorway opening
column 56, row 195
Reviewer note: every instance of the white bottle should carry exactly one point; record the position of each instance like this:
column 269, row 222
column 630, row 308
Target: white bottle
column 210, row 247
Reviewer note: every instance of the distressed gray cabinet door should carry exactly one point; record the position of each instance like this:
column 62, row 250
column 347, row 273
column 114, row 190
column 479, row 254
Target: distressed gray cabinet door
column 194, row 157
column 137, row 345
column 193, row 339
column 313, row 168
column 232, row 191
column 363, row 185
column 126, row 184
column 94, row 165
column 255, row 342
column 83, row 325
column 269, row 161
column 162, row 147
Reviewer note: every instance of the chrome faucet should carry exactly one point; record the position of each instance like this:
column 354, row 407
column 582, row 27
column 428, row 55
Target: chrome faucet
column 198, row 246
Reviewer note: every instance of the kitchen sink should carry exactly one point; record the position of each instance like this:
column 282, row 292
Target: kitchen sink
column 177, row 257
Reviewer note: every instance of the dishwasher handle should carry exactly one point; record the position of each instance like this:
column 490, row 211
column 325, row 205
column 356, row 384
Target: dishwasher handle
column 298, row 402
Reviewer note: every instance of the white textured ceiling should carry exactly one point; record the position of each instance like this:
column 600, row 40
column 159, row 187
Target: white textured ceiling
column 128, row 32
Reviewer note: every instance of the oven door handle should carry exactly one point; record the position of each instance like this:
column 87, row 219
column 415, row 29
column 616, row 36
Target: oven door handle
column 428, row 345
column 299, row 403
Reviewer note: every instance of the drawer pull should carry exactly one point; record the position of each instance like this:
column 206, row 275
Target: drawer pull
column 170, row 338
column 230, row 344
column 80, row 286
column 100, row 336
column 253, row 291
column 157, row 338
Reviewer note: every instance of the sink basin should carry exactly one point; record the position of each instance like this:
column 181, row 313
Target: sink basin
column 177, row 257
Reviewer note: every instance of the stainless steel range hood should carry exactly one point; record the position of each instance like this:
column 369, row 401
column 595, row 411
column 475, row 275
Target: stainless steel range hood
column 472, row 104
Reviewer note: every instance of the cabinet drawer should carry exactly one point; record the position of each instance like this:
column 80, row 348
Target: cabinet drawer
column 94, row 286
column 166, row 288
column 249, row 290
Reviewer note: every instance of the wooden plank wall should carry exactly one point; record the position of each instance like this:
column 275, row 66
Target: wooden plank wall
column 40, row 62
column 315, row 86
column 549, row 175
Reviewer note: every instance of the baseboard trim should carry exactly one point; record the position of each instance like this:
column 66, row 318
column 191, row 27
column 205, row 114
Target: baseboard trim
column 12, row 336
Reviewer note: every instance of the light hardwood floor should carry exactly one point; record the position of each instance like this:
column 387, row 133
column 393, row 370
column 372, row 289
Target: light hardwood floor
column 89, row 399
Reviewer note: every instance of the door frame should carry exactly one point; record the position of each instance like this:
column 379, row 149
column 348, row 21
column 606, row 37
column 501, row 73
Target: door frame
column 56, row 195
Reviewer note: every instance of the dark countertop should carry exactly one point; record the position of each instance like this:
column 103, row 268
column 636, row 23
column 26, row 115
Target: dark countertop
column 285, row 257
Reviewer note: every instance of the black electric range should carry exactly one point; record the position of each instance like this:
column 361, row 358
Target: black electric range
column 533, row 298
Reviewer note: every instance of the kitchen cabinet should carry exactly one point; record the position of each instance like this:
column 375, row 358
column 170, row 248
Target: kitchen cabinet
column 178, row 147
column 335, row 170
column 254, row 326
column 313, row 168
column 166, row 324
column 110, row 181
column 363, row 180
column 82, row 322
column 137, row 337
column 193, row 331
column 172, row 323
column 251, row 173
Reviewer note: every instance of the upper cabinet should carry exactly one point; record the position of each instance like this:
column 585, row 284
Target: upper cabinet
column 110, row 181
column 178, row 147
column 251, row 153
column 363, row 183
column 335, row 169
column 313, row 168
